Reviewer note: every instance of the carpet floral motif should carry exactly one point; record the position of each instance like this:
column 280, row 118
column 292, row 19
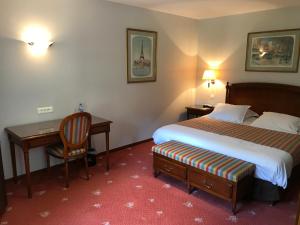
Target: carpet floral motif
column 130, row 195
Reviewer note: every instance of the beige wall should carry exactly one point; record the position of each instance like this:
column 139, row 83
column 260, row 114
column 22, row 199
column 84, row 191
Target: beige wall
column 87, row 64
column 223, row 40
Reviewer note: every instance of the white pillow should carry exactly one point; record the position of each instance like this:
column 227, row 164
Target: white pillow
column 229, row 113
column 278, row 121
column 249, row 121
column 250, row 114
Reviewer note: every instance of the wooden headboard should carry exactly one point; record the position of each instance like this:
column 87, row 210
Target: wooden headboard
column 262, row 97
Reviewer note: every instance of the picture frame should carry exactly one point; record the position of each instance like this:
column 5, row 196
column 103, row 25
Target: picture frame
column 273, row 51
column 141, row 55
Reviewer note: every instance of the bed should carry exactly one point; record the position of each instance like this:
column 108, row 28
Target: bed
column 273, row 166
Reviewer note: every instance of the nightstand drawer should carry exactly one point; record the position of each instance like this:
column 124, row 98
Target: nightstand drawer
column 197, row 111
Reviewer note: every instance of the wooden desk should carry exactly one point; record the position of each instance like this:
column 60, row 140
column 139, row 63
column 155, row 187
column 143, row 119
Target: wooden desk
column 3, row 199
column 46, row 133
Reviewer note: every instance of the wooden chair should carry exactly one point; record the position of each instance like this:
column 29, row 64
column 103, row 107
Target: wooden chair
column 74, row 132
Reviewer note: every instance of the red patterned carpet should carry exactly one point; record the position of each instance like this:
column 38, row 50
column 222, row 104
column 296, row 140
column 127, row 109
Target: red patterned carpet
column 130, row 195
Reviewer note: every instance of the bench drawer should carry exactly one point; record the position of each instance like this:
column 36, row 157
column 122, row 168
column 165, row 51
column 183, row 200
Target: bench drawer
column 210, row 183
column 170, row 167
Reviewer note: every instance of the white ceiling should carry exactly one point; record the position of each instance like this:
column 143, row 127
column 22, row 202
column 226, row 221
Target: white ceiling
column 201, row 9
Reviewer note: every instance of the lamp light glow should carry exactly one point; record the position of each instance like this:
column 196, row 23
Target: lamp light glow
column 210, row 76
column 38, row 40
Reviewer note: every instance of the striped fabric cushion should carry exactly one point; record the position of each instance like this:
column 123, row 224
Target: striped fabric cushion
column 58, row 150
column 76, row 129
column 215, row 163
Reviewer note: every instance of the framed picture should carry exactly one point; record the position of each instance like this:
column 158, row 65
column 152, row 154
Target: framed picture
column 141, row 55
column 273, row 51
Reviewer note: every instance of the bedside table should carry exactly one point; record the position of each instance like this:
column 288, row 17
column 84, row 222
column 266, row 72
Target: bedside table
column 197, row 110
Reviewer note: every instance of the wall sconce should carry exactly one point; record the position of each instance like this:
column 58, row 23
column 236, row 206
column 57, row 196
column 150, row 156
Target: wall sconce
column 210, row 76
column 38, row 40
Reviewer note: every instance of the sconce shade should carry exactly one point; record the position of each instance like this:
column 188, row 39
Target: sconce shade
column 38, row 39
column 209, row 75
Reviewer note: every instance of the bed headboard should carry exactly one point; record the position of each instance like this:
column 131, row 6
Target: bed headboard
column 262, row 97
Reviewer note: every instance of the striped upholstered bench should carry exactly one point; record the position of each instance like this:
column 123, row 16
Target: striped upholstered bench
column 223, row 176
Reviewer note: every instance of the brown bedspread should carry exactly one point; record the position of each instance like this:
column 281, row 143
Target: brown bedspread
column 280, row 140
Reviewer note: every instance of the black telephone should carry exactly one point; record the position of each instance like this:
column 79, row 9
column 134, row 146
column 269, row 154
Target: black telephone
column 207, row 106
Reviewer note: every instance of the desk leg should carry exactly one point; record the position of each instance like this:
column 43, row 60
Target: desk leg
column 27, row 168
column 13, row 159
column 89, row 142
column 107, row 150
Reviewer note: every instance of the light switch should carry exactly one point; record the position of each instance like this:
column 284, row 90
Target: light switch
column 46, row 109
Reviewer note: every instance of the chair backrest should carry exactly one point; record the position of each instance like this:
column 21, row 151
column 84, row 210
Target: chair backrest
column 74, row 130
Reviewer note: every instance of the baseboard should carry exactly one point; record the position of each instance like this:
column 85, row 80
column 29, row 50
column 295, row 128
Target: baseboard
column 99, row 154
column 126, row 146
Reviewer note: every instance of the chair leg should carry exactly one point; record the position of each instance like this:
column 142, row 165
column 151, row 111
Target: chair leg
column 66, row 173
column 86, row 167
column 48, row 162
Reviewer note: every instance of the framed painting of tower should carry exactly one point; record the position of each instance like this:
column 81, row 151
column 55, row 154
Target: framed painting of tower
column 141, row 55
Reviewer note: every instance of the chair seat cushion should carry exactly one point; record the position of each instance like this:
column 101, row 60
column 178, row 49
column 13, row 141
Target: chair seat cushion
column 58, row 151
column 214, row 163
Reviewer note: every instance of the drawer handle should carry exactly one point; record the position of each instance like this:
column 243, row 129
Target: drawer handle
column 208, row 186
column 168, row 169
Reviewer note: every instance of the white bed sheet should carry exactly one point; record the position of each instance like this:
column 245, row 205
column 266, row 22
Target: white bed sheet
column 272, row 164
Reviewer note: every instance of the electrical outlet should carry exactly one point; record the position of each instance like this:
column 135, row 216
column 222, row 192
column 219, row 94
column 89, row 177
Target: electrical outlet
column 47, row 109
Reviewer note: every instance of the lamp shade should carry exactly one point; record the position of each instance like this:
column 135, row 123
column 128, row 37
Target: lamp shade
column 209, row 75
column 38, row 39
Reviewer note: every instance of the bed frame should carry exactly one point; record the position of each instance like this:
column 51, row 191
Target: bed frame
column 263, row 97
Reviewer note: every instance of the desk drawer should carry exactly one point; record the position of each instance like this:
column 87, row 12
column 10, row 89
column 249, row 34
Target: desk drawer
column 170, row 167
column 99, row 129
column 44, row 141
column 210, row 183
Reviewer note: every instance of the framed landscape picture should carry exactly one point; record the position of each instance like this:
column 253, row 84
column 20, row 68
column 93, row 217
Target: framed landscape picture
column 273, row 51
column 141, row 55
